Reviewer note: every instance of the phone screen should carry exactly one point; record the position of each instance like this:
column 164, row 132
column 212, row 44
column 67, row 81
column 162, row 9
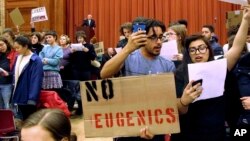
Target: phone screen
column 139, row 27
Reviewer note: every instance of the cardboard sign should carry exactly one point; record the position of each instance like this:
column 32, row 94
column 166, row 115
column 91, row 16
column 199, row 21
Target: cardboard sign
column 99, row 48
column 122, row 106
column 16, row 17
column 233, row 18
column 39, row 14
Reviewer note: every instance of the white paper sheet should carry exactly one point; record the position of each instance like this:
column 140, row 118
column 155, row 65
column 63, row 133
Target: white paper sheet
column 241, row 2
column 118, row 50
column 77, row 47
column 39, row 14
column 213, row 74
column 169, row 49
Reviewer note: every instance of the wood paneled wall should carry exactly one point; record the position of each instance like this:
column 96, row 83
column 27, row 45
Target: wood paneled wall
column 56, row 11
column 66, row 15
column 2, row 15
column 110, row 14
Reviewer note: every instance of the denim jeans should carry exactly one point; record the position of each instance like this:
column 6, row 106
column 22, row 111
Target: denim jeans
column 74, row 86
column 5, row 95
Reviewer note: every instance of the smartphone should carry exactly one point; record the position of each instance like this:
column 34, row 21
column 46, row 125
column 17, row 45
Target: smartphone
column 139, row 27
column 196, row 82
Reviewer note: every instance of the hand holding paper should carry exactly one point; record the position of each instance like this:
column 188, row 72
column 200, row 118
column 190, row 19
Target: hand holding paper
column 77, row 47
column 213, row 74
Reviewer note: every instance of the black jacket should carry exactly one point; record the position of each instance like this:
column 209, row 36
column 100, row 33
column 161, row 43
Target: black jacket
column 86, row 23
column 5, row 64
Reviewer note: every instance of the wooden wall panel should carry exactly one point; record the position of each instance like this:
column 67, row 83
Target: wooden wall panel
column 2, row 15
column 110, row 14
column 66, row 15
column 56, row 11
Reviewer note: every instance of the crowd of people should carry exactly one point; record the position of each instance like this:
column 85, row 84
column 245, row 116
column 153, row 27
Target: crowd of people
column 33, row 62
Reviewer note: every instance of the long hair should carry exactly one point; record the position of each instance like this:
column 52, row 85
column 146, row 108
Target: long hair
column 182, row 70
column 10, row 32
column 7, row 44
column 181, row 32
column 52, row 120
column 38, row 35
column 127, row 25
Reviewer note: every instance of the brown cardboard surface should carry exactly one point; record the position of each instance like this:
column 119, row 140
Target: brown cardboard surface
column 233, row 18
column 122, row 106
column 99, row 48
column 16, row 17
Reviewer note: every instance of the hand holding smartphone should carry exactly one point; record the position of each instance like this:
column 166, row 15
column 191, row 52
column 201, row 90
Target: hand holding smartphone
column 139, row 27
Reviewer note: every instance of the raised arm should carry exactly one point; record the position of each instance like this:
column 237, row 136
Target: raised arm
column 113, row 66
column 240, row 39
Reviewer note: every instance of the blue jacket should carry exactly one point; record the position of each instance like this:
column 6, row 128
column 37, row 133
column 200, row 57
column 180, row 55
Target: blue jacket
column 217, row 49
column 53, row 56
column 29, row 83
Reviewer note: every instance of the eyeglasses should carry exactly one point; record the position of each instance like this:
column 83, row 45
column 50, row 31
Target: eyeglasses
column 155, row 38
column 201, row 48
column 170, row 34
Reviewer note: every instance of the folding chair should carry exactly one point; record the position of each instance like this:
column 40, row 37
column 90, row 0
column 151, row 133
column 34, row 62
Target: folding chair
column 7, row 125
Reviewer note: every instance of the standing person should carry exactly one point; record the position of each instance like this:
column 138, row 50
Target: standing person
column 90, row 30
column 28, row 76
column 10, row 36
column 70, row 87
column 81, row 59
column 126, row 31
column 177, row 32
column 208, row 33
column 81, row 64
column 47, row 125
column 141, row 57
column 36, row 42
column 205, row 119
column 65, row 71
column 5, row 79
column 51, row 55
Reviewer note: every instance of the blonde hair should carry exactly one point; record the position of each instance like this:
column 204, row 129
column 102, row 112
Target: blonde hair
column 67, row 38
column 181, row 33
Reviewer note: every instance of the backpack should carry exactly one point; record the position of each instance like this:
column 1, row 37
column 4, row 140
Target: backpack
column 50, row 99
column 242, row 72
